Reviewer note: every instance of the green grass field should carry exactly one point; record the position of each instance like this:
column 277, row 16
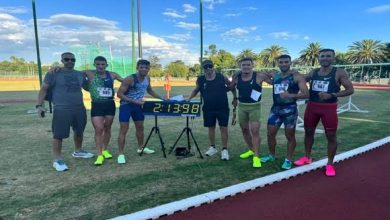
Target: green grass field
column 31, row 189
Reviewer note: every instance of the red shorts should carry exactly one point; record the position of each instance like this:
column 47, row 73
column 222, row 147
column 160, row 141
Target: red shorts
column 327, row 112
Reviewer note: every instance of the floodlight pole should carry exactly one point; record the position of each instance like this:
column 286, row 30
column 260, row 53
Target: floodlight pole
column 37, row 43
column 139, row 29
column 201, row 34
column 132, row 38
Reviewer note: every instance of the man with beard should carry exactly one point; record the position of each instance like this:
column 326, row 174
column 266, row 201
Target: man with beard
column 288, row 86
column 324, row 89
column 69, row 110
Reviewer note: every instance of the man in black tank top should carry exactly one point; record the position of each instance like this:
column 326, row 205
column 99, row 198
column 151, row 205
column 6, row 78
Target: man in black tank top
column 288, row 86
column 249, row 85
column 324, row 89
column 213, row 88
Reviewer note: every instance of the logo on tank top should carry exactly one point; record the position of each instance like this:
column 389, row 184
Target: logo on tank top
column 281, row 88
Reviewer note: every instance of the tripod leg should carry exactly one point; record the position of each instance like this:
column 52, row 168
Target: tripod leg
column 161, row 141
column 147, row 140
column 177, row 140
column 196, row 144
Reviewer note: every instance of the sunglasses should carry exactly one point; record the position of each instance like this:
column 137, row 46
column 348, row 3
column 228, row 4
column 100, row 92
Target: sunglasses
column 69, row 59
column 208, row 66
column 327, row 56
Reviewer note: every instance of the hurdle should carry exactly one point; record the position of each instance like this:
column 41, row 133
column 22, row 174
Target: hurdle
column 350, row 107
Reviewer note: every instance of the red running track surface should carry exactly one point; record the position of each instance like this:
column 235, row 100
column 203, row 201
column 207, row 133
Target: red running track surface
column 361, row 190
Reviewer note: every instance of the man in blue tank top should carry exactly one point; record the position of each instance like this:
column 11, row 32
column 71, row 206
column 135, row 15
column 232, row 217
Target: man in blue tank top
column 249, row 85
column 324, row 89
column 213, row 88
column 132, row 92
column 287, row 87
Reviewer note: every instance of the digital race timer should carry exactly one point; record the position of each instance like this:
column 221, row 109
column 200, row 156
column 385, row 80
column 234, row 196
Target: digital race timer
column 172, row 108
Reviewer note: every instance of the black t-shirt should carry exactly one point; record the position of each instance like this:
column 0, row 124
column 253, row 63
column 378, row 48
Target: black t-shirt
column 214, row 93
column 245, row 89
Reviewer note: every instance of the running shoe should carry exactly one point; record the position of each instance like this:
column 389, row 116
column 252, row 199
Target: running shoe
column 211, row 151
column 82, row 154
column 99, row 160
column 121, row 159
column 267, row 158
column 247, row 154
column 60, row 165
column 287, row 164
column 329, row 170
column 106, row 154
column 302, row 161
column 224, row 154
column 146, row 151
column 256, row 162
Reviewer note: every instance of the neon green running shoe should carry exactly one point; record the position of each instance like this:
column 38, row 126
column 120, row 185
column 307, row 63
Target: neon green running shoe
column 287, row 164
column 99, row 160
column 267, row 158
column 106, row 154
column 256, row 162
column 247, row 154
column 121, row 159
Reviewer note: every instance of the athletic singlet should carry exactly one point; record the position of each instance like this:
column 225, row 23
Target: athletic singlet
column 102, row 89
column 138, row 90
column 323, row 84
column 245, row 89
column 281, row 85
column 214, row 93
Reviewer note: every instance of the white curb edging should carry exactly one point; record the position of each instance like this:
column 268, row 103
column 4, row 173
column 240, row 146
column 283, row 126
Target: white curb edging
column 195, row 201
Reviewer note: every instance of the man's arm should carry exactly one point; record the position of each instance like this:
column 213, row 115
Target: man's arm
column 342, row 76
column 304, row 91
column 49, row 77
column 85, row 81
column 194, row 92
column 232, row 89
column 152, row 92
column 308, row 76
column 116, row 76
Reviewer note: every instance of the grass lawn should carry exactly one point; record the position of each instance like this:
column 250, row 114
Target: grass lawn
column 31, row 189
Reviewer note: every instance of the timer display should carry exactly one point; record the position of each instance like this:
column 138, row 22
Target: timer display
column 172, row 108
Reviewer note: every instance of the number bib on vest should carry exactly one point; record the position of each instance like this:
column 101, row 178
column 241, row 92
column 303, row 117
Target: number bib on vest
column 320, row 86
column 104, row 92
column 280, row 88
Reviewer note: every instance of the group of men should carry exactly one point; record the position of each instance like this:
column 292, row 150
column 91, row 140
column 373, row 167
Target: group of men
column 66, row 84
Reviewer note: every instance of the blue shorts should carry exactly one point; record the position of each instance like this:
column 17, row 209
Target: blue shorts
column 286, row 114
column 130, row 109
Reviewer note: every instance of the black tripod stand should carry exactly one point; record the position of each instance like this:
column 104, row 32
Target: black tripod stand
column 188, row 132
column 156, row 129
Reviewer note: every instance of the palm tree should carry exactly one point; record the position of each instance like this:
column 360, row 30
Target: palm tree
column 269, row 55
column 245, row 54
column 366, row 51
column 309, row 56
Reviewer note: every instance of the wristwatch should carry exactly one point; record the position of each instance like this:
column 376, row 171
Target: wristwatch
column 37, row 106
column 333, row 95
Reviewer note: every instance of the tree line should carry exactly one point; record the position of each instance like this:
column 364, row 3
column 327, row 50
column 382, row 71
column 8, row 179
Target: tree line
column 367, row 51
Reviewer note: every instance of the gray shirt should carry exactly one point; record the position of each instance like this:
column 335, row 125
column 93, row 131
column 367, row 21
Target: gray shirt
column 67, row 87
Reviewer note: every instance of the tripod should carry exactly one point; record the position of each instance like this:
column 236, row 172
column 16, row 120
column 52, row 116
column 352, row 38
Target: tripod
column 156, row 129
column 188, row 132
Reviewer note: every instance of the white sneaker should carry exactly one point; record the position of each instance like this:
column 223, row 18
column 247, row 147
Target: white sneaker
column 82, row 154
column 211, row 151
column 224, row 154
column 146, row 151
column 60, row 165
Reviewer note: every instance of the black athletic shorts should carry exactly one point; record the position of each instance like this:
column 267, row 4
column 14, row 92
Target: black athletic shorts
column 210, row 118
column 103, row 108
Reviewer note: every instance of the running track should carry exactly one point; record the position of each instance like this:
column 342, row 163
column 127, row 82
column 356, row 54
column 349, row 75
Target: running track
column 361, row 190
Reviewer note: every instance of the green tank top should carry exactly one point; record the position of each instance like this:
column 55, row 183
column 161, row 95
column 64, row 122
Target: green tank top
column 102, row 89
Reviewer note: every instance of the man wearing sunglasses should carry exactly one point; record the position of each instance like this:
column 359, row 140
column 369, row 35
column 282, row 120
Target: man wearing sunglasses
column 324, row 89
column 69, row 110
column 213, row 88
